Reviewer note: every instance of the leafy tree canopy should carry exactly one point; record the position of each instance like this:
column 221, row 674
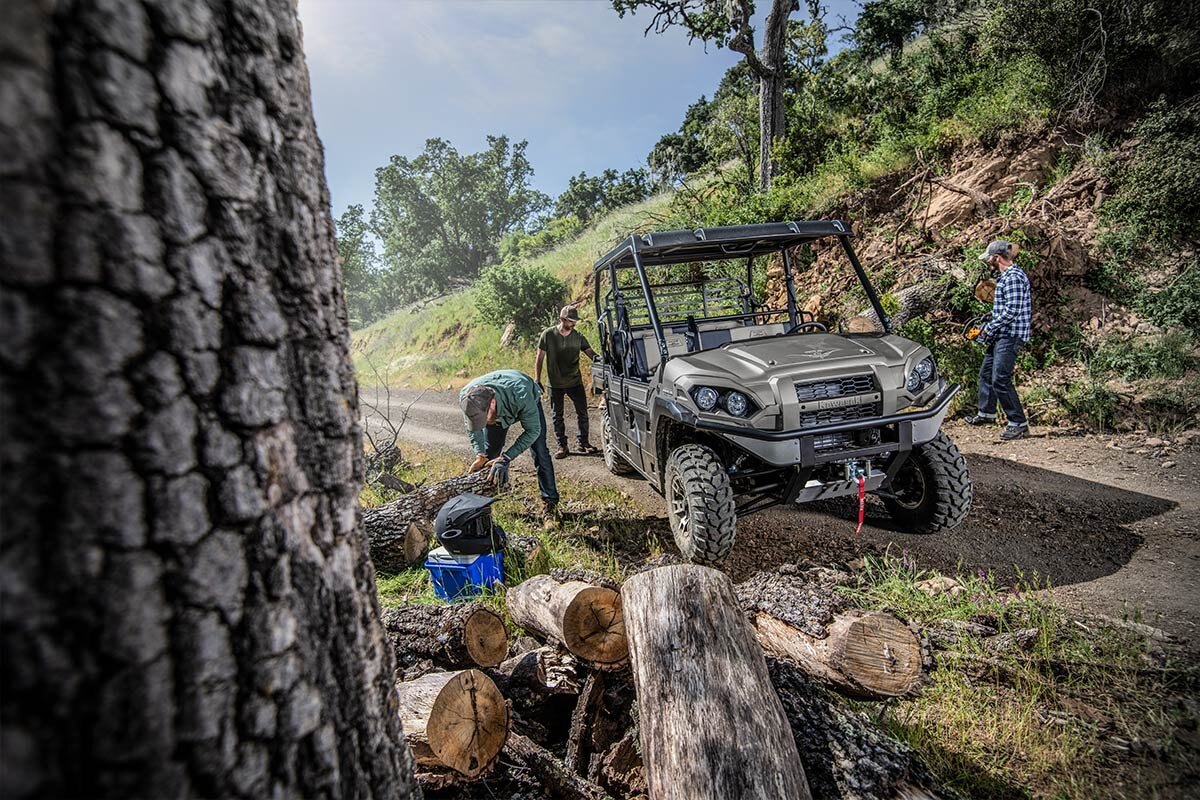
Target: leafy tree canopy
column 441, row 216
column 589, row 195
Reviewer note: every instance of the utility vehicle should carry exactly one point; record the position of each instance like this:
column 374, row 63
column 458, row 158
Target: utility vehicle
column 728, row 406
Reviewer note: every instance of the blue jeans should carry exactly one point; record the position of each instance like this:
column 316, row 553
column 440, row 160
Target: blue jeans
column 996, row 380
column 496, row 436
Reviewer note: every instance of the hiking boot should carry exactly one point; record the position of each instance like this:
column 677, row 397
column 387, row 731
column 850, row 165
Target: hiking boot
column 587, row 449
column 1013, row 431
column 550, row 520
column 562, row 453
column 981, row 419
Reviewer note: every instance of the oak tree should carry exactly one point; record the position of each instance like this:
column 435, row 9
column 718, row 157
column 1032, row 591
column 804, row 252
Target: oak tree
column 189, row 609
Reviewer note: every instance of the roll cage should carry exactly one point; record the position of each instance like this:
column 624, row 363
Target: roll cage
column 728, row 297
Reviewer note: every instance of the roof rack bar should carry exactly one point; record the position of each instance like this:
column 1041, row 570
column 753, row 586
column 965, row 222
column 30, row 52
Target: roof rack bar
column 650, row 308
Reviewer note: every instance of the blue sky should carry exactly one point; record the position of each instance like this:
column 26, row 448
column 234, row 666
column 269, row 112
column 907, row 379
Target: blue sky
column 583, row 86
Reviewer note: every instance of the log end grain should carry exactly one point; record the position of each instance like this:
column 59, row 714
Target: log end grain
column 469, row 723
column 485, row 638
column 416, row 541
column 594, row 628
column 882, row 654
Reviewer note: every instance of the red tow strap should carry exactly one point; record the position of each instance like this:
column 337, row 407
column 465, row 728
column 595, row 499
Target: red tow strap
column 862, row 503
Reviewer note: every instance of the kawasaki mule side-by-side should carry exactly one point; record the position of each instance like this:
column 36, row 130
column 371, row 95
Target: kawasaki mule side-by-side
column 728, row 406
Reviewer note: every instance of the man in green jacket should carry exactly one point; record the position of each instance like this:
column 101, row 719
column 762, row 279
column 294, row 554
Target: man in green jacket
column 559, row 348
column 492, row 404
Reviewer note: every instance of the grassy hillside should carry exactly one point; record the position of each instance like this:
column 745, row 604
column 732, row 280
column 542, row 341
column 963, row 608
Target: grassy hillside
column 445, row 342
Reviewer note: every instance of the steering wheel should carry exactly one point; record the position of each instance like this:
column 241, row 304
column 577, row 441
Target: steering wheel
column 816, row 326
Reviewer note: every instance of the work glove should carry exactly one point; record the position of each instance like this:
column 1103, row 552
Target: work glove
column 479, row 463
column 498, row 474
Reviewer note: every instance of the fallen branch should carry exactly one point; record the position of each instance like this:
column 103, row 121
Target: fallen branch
column 552, row 773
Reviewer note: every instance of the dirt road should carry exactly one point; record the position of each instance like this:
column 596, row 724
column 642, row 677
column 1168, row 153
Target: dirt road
column 1111, row 522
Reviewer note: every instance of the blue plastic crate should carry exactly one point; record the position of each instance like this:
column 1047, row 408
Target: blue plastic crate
column 456, row 577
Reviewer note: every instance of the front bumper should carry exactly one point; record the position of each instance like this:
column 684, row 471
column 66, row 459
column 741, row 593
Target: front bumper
column 899, row 433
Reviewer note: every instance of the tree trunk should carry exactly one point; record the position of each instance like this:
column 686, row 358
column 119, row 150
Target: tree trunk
column 844, row 755
column 189, row 609
column 453, row 636
column 798, row 615
column 584, row 618
column 457, row 720
column 394, row 541
column 710, row 723
column 772, row 124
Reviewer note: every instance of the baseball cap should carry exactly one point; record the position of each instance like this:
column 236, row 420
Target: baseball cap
column 996, row 248
column 569, row 312
column 476, row 401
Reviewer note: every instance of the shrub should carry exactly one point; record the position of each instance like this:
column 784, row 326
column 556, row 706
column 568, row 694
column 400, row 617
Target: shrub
column 1176, row 305
column 528, row 296
column 1168, row 356
column 1093, row 403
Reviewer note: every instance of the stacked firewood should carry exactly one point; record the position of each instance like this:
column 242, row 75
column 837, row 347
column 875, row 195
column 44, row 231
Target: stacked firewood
column 675, row 685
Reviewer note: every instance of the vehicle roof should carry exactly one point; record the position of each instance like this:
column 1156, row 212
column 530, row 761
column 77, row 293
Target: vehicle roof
column 714, row 244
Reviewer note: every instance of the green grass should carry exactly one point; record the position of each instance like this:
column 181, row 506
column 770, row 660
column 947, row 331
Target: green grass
column 446, row 341
column 1043, row 720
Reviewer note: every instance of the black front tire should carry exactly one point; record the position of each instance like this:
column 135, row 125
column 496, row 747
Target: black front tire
column 700, row 504
column 613, row 459
column 932, row 491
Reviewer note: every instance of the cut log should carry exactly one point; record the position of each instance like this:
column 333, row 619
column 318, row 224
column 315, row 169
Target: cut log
column 863, row 654
column 710, row 724
column 586, row 619
column 453, row 636
column 798, row 615
column 389, row 527
column 844, row 754
column 552, row 773
column 457, row 720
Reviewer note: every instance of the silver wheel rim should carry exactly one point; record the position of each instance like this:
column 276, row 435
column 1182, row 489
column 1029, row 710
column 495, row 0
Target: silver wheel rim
column 677, row 507
column 913, row 494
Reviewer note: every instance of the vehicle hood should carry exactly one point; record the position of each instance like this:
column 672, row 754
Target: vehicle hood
column 757, row 359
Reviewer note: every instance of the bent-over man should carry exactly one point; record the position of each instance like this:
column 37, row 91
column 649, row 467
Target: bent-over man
column 492, row 404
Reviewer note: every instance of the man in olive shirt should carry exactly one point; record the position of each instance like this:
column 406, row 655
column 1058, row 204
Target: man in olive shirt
column 492, row 404
column 559, row 350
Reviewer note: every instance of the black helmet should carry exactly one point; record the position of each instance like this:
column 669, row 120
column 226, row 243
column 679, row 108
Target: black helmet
column 464, row 525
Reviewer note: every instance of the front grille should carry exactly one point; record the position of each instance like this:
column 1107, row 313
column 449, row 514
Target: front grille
column 833, row 441
column 835, row 387
column 831, row 415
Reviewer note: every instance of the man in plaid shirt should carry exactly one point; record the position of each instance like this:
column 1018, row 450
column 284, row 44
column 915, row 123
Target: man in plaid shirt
column 1005, row 334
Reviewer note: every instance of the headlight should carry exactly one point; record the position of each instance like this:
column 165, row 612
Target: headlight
column 736, row 404
column 914, row 381
column 706, row 398
column 926, row 368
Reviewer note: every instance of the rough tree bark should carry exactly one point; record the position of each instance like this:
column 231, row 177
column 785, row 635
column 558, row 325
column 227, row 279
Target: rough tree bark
column 710, row 723
column 845, row 756
column 189, row 609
